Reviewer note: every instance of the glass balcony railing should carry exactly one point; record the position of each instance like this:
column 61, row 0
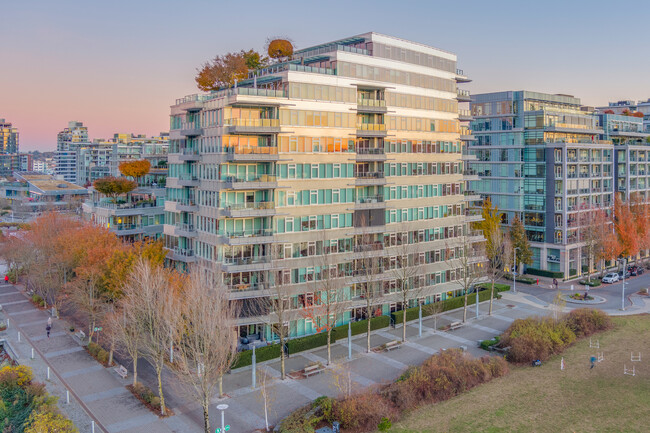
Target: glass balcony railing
column 252, row 150
column 260, row 178
column 265, row 123
column 370, row 199
column 370, row 175
column 260, row 205
column 371, row 102
column 371, row 127
column 249, row 233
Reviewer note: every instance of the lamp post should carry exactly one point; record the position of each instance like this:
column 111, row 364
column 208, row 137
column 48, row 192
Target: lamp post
column 222, row 408
column 480, row 265
column 514, row 270
column 624, row 261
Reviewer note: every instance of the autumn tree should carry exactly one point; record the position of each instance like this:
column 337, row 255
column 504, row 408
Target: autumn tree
column 498, row 249
column 150, row 293
column 113, row 187
column 135, row 169
column 520, row 242
column 626, row 228
column 279, row 48
column 223, row 70
column 206, row 338
column 641, row 213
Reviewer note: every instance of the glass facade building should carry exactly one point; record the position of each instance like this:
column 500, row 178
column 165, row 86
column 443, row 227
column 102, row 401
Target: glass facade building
column 347, row 149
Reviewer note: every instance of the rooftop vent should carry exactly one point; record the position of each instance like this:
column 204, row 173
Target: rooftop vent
column 62, row 185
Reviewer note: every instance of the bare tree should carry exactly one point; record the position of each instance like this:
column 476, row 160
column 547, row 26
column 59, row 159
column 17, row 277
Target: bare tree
column 407, row 268
column 368, row 267
column 207, row 342
column 498, row 251
column 155, row 311
column 467, row 257
column 266, row 395
column 123, row 327
column 329, row 301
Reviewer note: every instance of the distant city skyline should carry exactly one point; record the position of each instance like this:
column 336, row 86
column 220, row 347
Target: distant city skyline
column 119, row 66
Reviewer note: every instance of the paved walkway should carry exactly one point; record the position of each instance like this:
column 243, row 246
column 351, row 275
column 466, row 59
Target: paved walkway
column 99, row 391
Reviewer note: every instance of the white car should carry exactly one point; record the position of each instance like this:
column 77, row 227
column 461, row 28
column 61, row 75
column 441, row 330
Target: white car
column 610, row 278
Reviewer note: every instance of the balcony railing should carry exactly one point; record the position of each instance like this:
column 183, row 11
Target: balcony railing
column 463, row 93
column 185, row 227
column 370, row 151
column 371, row 127
column 132, row 205
column 120, row 227
column 252, row 150
column 246, row 260
column 185, row 252
column 267, row 123
column 371, row 102
column 249, row 233
column 370, row 175
column 231, row 92
column 261, row 178
column 370, row 199
column 375, row 246
column 260, row 205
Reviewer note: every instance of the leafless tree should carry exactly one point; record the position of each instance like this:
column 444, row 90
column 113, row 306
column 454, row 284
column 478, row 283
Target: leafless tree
column 150, row 294
column 123, row 328
column 498, row 252
column 406, row 271
column 207, row 342
column 467, row 257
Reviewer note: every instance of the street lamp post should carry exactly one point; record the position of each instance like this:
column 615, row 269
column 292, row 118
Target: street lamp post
column 514, row 270
column 222, row 408
column 623, row 288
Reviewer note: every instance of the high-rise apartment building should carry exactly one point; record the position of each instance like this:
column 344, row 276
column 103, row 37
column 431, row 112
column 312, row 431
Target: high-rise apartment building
column 8, row 137
column 68, row 142
column 546, row 159
column 348, row 150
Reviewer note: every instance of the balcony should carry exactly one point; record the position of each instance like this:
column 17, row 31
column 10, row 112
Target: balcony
column 467, row 134
column 248, row 290
column 473, row 215
column 244, row 264
column 461, row 77
column 185, row 230
column 466, row 156
column 371, row 105
column 470, row 174
column 370, row 178
column 370, row 202
column 371, row 130
column 463, row 95
column 252, row 126
column 253, row 209
column 188, row 155
column 370, row 154
column 264, row 181
column 186, row 205
column 248, row 237
column 188, row 180
column 465, row 115
column 192, row 132
column 127, row 229
column 185, row 255
column 470, row 196
column 252, row 153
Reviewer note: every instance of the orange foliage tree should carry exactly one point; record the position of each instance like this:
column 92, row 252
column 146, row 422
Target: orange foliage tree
column 626, row 228
column 223, row 70
column 113, row 187
column 279, row 48
column 135, row 169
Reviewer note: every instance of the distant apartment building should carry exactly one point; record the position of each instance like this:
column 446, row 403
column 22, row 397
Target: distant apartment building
column 30, row 193
column 546, row 159
column 40, row 166
column 630, row 107
column 68, row 143
column 9, row 137
column 347, row 150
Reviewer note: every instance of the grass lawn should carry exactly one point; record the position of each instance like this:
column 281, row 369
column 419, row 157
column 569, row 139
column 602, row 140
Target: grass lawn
column 546, row 399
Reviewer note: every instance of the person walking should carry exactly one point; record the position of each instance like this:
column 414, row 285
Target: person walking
column 6, row 279
column 49, row 322
column 47, row 329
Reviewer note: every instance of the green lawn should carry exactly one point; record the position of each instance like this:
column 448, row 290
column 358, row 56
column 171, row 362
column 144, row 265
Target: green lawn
column 546, row 399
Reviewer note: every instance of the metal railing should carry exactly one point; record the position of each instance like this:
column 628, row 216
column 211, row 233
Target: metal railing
column 371, row 102
column 370, row 199
column 252, row 150
column 268, row 123
column 370, row 151
column 370, row 175
column 371, row 127
column 259, row 205
column 185, row 227
column 249, row 233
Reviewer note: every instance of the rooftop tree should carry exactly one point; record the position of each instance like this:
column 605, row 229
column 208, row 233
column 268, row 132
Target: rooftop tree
column 223, row 70
column 135, row 169
column 113, row 187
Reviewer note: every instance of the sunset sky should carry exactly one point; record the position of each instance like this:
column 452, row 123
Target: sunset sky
column 118, row 65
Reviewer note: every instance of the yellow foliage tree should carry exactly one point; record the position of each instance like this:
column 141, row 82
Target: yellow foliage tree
column 135, row 169
column 49, row 422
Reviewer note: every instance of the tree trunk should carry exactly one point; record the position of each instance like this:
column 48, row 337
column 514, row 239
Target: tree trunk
column 160, row 391
column 465, row 306
column 329, row 345
column 220, row 387
column 282, row 356
column 110, row 353
column 491, row 297
column 206, row 414
column 404, row 322
column 368, row 333
column 135, row 370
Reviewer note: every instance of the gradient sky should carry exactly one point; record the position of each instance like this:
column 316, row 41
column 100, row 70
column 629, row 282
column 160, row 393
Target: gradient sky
column 118, row 65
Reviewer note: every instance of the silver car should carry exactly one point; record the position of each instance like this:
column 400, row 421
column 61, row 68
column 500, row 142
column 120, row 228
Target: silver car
column 610, row 278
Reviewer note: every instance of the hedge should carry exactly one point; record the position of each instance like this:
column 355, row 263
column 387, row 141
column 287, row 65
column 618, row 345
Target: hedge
column 448, row 304
column 361, row 326
column 309, row 342
column 543, row 273
column 592, row 283
column 263, row 353
column 498, row 287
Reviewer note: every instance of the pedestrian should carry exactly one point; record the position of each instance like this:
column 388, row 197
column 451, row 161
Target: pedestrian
column 48, row 328
column 6, row 278
column 593, row 362
column 49, row 322
column 555, row 283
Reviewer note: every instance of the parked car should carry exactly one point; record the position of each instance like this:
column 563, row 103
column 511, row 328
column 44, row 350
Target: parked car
column 610, row 278
column 624, row 274
column 635, row 270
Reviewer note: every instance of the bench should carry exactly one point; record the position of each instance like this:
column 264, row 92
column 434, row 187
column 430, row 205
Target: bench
column 121, row 371
column 81, row 336
column 455, row 325
column 313, row 369
column 392, row 345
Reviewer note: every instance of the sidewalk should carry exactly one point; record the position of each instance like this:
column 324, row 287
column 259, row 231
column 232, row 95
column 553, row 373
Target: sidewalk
column 96, row 393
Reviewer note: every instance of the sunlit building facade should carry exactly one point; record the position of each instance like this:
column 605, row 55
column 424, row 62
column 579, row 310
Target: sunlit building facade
column 349, row 149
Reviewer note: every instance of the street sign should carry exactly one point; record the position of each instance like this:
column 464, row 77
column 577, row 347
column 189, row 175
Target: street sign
column 225, row 429
column 97, row 328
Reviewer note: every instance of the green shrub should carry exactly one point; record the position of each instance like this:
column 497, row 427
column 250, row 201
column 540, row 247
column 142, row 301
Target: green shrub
column 264, row 353
column 384, row 424
column 573, row 272
column 309, row 342
column 93, row 349
column 485, row 344
column 498, row 287
column 102, row 356
column 543, row 273
column 536, row 338
column 592, row 283
column 36, row 299
column 361, row 327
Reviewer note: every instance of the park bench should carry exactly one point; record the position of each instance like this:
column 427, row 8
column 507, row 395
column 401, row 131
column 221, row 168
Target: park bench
column 313, row 369
column 81, row 336
column 455, row 325
column 392, row 345
column 121, row 371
